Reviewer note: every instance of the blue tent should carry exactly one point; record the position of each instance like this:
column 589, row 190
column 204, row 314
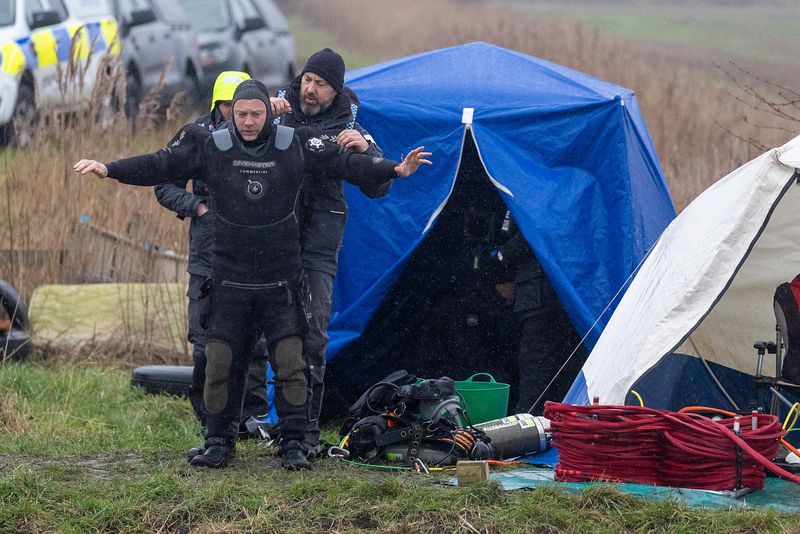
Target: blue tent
column 568, row 154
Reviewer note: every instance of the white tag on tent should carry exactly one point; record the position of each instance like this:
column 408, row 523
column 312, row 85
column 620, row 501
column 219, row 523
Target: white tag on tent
column 466, row 115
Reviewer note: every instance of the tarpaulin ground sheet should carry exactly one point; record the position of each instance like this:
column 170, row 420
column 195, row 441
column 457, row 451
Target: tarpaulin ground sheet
column 778, row 495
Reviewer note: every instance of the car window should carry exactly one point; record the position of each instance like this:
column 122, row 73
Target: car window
column 207, row 15
column 85, row 9
column 170, row 11
column 7, row 12
column 273, row 16
column 38, row 6
column 126, row 7
column 243, row 10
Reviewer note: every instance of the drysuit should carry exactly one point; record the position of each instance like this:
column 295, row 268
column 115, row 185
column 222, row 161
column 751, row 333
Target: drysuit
column 257, row 282
column 174, row 196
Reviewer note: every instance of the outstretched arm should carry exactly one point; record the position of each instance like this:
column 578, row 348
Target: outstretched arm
column 335, row 161
column 179, row 161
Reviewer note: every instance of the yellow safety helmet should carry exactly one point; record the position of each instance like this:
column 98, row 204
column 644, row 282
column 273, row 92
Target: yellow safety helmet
column 226, row 85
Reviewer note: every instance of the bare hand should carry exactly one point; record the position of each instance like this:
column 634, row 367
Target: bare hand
column 279, row 106
column 411, row 162
column 353, row 140
column 85, row 166
column 506, row 291
column 202, row 209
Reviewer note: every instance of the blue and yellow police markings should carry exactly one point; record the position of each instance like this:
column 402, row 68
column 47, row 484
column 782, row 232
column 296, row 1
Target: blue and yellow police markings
column 45, row 48
column 13, row 61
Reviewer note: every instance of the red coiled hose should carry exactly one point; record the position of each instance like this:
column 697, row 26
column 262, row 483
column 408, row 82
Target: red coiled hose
column 643, row 445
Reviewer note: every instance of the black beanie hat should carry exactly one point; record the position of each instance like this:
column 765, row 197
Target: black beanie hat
column 329, row 65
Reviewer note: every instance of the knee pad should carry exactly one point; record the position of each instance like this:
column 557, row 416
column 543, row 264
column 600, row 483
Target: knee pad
column 218, row 366
column 291, row 370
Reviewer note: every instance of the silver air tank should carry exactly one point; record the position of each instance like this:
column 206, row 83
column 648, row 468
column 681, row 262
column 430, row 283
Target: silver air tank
column 512, row 436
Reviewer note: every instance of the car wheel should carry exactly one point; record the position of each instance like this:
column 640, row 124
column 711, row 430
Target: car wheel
column 133, row 97
column 171, row 379
column 192, row 98
column 23, row 122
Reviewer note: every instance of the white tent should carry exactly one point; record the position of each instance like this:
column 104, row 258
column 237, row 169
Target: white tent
column 685, row 328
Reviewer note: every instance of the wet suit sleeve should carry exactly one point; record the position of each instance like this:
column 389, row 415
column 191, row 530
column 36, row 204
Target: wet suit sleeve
column 325, row 157
column 376, row 189
column 175, row 197
column 181, row 160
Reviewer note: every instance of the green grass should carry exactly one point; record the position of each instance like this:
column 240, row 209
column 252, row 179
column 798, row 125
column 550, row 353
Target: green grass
column 758, row 31
column 81, row 451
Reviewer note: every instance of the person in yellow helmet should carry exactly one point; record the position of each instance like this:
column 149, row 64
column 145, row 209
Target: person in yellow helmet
column 222, row 98
column 194, row 205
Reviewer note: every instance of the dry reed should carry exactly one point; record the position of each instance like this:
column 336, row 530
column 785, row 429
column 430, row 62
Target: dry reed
column 42, row 240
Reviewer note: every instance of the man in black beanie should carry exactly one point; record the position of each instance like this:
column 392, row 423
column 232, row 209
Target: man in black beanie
column 318, row 98
column 254, row 172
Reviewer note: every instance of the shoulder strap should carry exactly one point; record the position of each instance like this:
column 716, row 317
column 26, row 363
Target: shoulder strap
column 283, row 137
column 222, row 138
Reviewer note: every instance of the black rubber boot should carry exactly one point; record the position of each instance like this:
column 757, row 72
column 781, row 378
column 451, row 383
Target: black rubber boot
column 216, row 454
column 293, row 457
column 196, row 451
column 295, row 460
column 200, row 449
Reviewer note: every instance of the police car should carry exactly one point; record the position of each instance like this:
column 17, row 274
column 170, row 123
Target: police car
column 36, row 45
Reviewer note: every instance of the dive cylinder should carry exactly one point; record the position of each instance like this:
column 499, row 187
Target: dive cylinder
column 500, row 439
column 512, row 436
column 432, row 456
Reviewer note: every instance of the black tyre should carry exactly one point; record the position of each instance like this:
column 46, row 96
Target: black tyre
column 15, row 346
column 171, row 379
column 192, row 101
column 14, row 306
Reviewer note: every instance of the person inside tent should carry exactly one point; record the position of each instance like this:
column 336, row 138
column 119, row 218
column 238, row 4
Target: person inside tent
column 543, row 326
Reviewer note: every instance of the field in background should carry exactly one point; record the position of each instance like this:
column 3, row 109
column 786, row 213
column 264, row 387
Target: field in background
column 700, row 127
column 761, row 35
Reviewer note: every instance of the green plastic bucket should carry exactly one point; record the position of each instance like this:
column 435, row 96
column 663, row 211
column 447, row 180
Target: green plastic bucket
column 484, row 401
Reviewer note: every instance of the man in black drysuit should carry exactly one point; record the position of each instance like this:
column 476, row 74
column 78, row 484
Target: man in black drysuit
column 195, row 206
column 254, row 172
column 317, row 98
